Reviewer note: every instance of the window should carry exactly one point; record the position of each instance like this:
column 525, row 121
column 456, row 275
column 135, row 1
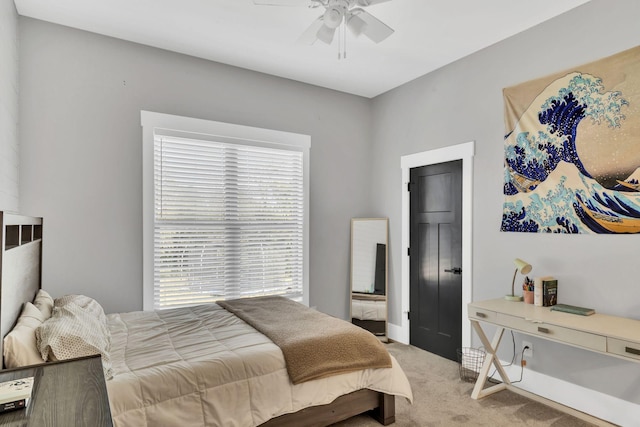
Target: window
column 225, row 212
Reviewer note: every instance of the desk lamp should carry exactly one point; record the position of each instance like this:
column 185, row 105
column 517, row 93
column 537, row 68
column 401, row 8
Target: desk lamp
column 523, row 268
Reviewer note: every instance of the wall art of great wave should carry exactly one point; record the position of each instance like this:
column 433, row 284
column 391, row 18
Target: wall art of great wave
column 572, row 150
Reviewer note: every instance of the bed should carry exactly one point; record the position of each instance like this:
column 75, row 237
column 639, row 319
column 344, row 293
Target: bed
column 201, row 365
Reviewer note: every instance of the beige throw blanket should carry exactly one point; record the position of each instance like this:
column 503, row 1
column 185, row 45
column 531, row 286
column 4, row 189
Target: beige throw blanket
column 314, row 344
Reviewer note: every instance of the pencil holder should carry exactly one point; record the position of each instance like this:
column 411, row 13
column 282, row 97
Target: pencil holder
column 528, row 297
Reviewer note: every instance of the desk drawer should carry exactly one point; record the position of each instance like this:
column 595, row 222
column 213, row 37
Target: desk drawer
column 553, row 332
column 482, row 314
column 623, row 348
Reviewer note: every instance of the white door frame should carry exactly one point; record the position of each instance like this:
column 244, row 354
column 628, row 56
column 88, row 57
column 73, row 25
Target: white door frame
column 465, row 153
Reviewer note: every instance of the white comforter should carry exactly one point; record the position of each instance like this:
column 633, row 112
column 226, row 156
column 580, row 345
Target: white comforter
column 203, row 366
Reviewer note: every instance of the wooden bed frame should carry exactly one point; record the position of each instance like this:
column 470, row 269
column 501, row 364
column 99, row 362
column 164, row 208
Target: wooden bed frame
column 20, row 280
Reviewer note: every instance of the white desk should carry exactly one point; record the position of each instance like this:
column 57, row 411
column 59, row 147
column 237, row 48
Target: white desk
column 610, row 335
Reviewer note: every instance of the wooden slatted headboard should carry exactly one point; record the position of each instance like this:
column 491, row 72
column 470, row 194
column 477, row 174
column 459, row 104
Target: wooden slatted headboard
column 20, row 267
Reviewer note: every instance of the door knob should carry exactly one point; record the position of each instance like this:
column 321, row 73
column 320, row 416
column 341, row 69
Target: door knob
column 454, row 270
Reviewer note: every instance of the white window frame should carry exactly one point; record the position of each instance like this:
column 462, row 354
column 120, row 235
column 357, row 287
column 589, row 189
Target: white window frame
column 151, row 121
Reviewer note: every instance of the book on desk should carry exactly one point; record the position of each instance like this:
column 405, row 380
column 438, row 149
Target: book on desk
column 549, row 292
column 545, row 291
column 573, row 309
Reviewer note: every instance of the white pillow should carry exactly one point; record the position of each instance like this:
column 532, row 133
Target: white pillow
column 88, row 305
column 44, row 302
column 76, row 328
column 20, row 344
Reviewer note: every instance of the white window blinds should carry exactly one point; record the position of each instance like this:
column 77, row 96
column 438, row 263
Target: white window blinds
column 228, row 220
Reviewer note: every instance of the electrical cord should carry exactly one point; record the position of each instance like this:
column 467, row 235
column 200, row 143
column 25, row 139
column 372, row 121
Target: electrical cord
column 513, row 359
column 521, row 364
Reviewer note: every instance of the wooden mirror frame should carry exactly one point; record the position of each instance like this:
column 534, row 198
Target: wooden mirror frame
column 381, row 236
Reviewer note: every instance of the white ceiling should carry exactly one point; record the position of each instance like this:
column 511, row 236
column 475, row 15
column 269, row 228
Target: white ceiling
column 428, row 34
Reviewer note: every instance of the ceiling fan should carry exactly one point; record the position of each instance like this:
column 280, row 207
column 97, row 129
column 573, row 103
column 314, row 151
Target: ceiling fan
column 349, row 12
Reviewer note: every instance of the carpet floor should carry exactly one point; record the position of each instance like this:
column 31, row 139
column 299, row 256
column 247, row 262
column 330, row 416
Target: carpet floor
column 441, row 398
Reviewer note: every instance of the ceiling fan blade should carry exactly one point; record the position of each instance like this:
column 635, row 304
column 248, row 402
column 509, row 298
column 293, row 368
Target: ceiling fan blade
column 325, row 34
column 361, row 22
column 365, row 3
column 310, row 35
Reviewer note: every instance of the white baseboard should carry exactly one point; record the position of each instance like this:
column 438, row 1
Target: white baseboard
column 397, row 333
column 599, row 405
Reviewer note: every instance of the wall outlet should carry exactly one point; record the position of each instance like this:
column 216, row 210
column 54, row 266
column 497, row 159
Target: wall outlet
column 528, row 353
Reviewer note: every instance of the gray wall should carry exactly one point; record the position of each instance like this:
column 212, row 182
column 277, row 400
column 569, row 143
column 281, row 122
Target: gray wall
column 80, row 101
column 9, row 147
column 463, row 102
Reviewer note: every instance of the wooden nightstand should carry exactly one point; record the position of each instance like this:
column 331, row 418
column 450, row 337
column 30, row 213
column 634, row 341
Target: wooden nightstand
column 66, row 393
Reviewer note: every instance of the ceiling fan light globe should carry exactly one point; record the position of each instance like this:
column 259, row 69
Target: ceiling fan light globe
column 333, row 17
column 325, row 34
column 356, row 25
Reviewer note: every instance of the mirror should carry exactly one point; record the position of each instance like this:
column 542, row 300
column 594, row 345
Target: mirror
column 369, row 274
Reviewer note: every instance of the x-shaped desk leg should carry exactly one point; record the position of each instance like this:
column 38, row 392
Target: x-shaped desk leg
column 490, row 359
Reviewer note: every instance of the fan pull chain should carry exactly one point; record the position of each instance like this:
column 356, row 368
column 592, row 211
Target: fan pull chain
column 339, row 42
column 342, row 41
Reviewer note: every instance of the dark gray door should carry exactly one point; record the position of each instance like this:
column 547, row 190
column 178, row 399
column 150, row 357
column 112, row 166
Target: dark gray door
column 436, row 258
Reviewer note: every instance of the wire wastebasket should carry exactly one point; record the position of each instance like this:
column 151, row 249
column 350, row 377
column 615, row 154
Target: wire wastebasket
column 470, row 361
